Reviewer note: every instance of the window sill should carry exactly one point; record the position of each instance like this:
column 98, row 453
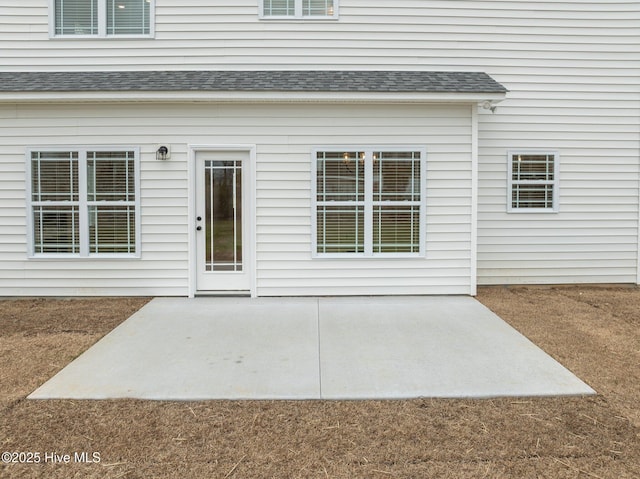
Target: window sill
column 75, row 257
column 298, row 19
column 102, row 37
column 526, row 211
column 362, row 256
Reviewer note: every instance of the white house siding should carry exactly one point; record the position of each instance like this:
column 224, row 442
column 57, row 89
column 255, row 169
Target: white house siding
column 283, row 201
column 160, row 271
column 572, row 68
column 577, row 94
column 284, row 135
column 594, row 236
column 198, row 34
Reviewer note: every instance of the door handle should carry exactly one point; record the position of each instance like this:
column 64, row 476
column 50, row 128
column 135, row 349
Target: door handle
column 198, row 228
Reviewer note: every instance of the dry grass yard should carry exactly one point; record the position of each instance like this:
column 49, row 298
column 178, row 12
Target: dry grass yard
column 594, row 331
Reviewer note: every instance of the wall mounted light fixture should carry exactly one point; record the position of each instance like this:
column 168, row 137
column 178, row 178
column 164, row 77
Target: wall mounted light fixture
column 489, row 105
column 162, row 153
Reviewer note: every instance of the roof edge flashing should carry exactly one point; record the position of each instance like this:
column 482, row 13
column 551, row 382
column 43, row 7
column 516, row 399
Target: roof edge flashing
column 248, row 96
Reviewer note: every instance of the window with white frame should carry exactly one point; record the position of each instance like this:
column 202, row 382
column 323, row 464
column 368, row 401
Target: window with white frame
column 83, row 202
column 102, row 17
column 300, row 9
column 369, row 202
column 533, row 181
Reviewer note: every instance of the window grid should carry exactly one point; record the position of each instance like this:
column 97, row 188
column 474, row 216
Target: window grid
column 274, row 8
column 298, row 9
column 111, row 176
column 56, row 229
column 317, row 8
column 101, row 18
column 341, row 229
column 396, row 229
column 533, row 181
column 396, row 202
column 55, row 199
column 76, row 17
column 63, row 168
column 94, row 211
column 128, row 17
column 223, row 215
column 112, row 229
column 340, row 196
column 369, row 202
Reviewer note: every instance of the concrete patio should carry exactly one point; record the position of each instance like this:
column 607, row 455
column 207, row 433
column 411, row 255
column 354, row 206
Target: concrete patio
column 312, row 348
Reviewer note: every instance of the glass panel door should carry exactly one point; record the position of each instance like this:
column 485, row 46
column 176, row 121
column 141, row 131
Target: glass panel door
column 223, row 215
column 222, row 222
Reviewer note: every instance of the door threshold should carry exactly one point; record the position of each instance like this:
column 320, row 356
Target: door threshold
column 223, row 293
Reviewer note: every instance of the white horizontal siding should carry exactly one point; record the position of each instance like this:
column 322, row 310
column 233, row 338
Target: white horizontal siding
column 284, row 264
column 284, row 136
column 572, row 68
column 162, row 267
column 581, row 100
column 589, row 111
column 594, row 236
column 403, row 33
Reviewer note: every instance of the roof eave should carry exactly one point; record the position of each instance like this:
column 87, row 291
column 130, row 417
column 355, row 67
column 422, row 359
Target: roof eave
column 250, row 96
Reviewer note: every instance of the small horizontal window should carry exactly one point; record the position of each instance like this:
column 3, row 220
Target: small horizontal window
column 298, row 9
column 533, row 181
column 102, row 17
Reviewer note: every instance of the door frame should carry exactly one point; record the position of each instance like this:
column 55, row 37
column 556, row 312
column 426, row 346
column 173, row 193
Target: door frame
column 249, row 252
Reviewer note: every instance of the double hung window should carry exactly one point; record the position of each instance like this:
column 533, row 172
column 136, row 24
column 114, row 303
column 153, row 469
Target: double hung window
column 102, row 17
column 369, row 202
column 533, row 181
column 300, row 9
column 83, row 202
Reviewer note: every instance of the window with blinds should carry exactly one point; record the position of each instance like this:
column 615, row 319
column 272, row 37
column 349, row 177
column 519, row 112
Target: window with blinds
column 397, row 199
column 369, row 202
column 128, row 17
column 83, row 202
column 340, row 202
column 298, row 8
column 55, row 200
column 279, row 8
column 533, row 181
column 317, row 8
column 76, row 17
column 111, row 201
column 102, row 17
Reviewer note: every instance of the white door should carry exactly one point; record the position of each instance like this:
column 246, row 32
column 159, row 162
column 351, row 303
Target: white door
column 222, row 221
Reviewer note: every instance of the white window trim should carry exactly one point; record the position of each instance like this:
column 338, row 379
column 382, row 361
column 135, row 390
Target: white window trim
column 369, row 202
column 83, row 205
column 102, row 24
column 298, row 13
column 555, row 183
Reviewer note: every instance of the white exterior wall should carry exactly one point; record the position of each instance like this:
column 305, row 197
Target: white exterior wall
column 284, row 135
column 160, row 270
column 475, row 34
column 284, row 204
column 572, row 68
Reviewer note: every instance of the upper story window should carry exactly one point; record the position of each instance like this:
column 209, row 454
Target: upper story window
column 533, row 181
column 299, row 9
column 102, row 17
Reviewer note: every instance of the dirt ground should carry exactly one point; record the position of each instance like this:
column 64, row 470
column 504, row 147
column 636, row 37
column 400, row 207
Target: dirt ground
column 593, row 331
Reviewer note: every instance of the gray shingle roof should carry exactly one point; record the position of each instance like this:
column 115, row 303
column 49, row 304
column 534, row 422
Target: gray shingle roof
column 257, row 81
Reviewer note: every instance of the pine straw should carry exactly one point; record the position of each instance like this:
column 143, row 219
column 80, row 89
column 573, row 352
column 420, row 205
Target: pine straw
column 593, row 331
